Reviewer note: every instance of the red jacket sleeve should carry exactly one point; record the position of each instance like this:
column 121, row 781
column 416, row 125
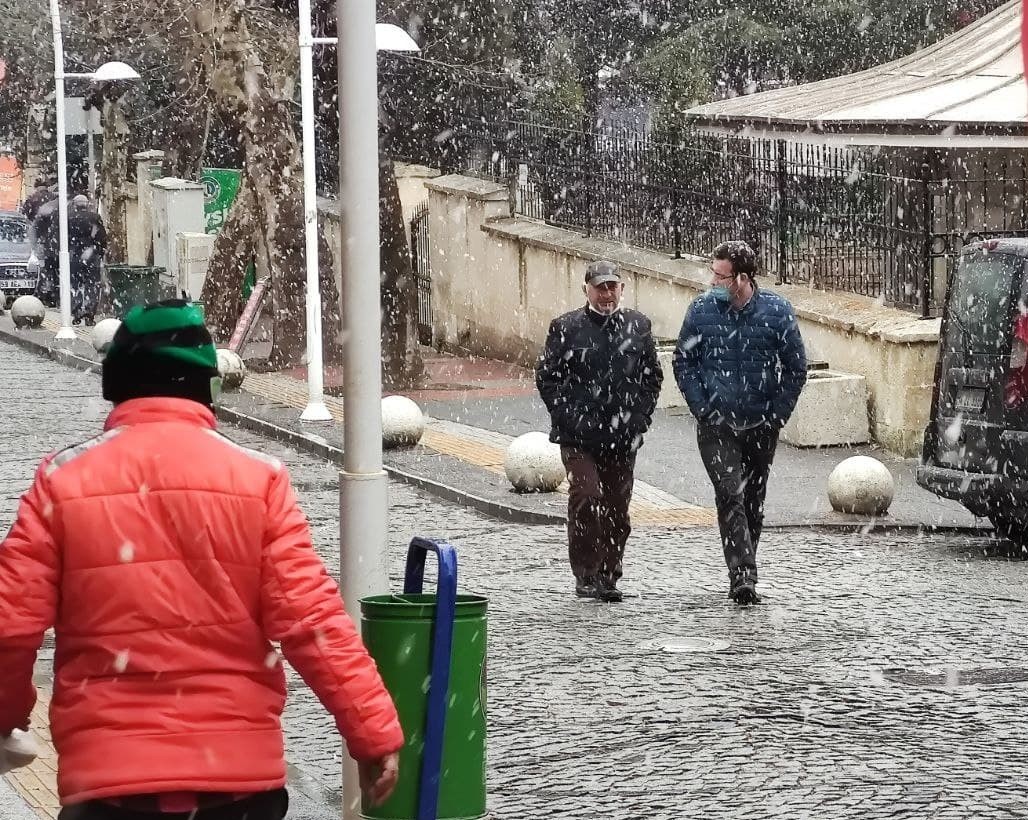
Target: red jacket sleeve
column 303, row 611
column 29, row 572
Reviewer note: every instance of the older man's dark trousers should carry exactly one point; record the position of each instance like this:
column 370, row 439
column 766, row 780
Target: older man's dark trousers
column 598, row 522
column 738, row 463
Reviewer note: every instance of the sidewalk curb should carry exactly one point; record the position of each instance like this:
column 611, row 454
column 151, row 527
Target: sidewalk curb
column 59, row 355
column 315, row 445
column 880, row 528
column 318, row 446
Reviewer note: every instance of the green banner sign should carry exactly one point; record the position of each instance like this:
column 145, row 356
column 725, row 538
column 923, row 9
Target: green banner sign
column 220, row 186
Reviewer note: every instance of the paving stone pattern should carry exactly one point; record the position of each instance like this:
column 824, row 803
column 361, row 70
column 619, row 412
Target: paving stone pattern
column 805, row 714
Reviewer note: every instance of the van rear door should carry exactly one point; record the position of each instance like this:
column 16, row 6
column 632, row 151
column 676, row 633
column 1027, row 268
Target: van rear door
column 975, row 362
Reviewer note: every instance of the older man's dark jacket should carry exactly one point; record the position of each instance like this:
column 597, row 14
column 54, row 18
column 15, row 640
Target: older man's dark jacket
column 600, row 378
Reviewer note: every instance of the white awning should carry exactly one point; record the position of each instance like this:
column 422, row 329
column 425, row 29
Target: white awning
column 973, row 78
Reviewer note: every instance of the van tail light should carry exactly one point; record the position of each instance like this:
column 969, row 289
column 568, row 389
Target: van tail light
column 1016, row 389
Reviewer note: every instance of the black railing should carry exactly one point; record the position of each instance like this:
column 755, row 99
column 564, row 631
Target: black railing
column 422, row 265
column 884, row 223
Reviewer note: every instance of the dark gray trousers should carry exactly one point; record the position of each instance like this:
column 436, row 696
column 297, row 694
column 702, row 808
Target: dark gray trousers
column 738, row 463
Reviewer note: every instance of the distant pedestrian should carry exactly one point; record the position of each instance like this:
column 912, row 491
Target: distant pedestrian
column 87, row 245
column 46, row 233
column 600, row 378
column 42, row 193
column 740, row 364
column 168, row 559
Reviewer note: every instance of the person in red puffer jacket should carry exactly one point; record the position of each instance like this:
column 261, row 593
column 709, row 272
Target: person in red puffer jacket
column 168, row 558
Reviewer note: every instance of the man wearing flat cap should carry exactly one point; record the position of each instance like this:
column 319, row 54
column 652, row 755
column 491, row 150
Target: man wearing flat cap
column 599, row 378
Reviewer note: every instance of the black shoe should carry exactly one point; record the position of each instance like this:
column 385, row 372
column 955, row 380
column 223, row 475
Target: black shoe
column 608, row 592
column 585, row 587
column 89, row 321
column 76, row 321
column 743, row 588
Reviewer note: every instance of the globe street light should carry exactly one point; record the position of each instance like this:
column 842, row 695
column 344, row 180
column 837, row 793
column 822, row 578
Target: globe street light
column 387, row 38
column 108, row 72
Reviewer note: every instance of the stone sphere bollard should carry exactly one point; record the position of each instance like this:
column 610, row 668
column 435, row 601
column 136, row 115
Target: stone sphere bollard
column 103, row 334
column 232, row 369
column 533, row 464
column 403, row 423
column 27, row 311
column 862, row 485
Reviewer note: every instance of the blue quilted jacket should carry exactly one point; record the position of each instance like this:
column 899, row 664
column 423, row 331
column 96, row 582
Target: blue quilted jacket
column 741, row 367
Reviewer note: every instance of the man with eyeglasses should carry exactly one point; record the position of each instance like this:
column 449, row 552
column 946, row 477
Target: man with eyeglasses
column 599, row 378
column 740, row 364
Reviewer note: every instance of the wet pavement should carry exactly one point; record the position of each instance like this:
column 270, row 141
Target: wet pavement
column 883, row 677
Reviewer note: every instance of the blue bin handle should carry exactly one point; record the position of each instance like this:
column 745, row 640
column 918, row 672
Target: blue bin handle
column 442, row 649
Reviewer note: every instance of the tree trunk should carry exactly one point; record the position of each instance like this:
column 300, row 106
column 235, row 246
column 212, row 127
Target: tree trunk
column 185, row 137
column 113, row 170
column 242, row 84
column 234, row 248
column 402, row 366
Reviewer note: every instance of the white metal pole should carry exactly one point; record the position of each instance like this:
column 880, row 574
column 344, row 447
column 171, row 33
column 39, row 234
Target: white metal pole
column 91, row 150
column 316, row 409
column 66, row 331
column 362, row 486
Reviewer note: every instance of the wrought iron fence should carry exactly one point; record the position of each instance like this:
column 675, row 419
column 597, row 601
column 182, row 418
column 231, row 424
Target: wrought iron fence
column 885, row 224
column 421, row 263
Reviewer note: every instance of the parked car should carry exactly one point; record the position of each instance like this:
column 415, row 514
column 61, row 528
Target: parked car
column 976, row 442
column 17, row 276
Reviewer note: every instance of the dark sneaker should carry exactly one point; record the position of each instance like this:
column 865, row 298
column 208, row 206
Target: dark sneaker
column 608, row 592
column 585, row 588
column 743, row 588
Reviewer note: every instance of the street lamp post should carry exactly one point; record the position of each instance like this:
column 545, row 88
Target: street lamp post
column 64, row 261
column 387, row 38
column 316, row 409
column 108, row 72
column 362, row 481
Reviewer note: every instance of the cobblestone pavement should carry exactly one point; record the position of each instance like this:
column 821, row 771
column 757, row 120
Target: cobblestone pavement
column 883, row 677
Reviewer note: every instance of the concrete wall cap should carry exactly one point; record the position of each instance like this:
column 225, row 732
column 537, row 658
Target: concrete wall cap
column 469, row 188
column 632, row 260
column 406, row 171
column 849, row 312
column 176, row 184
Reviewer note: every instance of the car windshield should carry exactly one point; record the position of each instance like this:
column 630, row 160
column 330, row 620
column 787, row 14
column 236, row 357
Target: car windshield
column 13, row 231
column 979, row 305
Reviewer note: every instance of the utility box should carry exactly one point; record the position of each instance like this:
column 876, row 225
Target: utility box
column 177, row 208
column 140, row 234
column 831, row 411
column 194, row 258
column 670, row 395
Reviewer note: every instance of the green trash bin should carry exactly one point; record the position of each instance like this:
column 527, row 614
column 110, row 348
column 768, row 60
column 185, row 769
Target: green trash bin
column 129, row 285
column 437, row 681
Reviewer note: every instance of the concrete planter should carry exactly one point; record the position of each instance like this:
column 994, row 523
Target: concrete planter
column 832, row 411
column 670, row 395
